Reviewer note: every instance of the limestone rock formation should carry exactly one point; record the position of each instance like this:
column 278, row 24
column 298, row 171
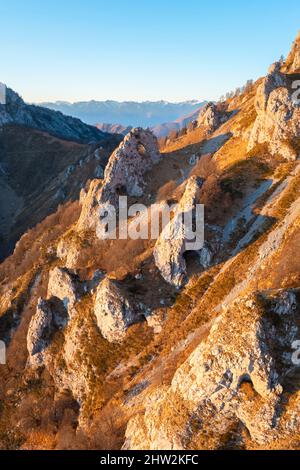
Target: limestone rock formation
column 277, row 122
column 76, row 375
column 293, row 59
column 123, row 175
column 62, row 286
column 39, row 332
column 114, row 311
column 245, row 350
column 172, row 243
column 211, row 117
column 274, row 79
column 48, row 318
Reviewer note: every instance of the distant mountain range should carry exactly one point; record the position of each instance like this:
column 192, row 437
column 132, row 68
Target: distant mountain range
column 160, row 130
column 16, row 111
column 114, row 128
column 127, row 113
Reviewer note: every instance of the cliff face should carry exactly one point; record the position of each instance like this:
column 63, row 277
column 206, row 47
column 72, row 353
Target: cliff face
column 293, row 59
column 145, row 344
column 277, row 122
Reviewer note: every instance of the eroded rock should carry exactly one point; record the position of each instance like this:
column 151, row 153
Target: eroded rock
column 63, row 286
column 49, row 318
column 277, row 123
column 235, row 376
column 39, row 332
column 123, row 176
column 114, row 311
column 211, row 117
column 293, row 59
column 172, row 243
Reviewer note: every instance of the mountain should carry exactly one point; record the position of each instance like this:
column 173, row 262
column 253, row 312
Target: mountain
column 114, row 128
column 45, row 159
column 161, row 130
column 128, row 113
column 157, row 342
column 15, row 111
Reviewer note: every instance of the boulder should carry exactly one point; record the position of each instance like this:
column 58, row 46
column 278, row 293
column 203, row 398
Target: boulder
column 39, row 332
column 63, row 286
column 114, row 311
column 172, row 243
column 50, row 316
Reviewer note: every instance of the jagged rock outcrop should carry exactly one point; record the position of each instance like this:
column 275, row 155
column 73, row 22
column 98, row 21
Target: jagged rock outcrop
column 211, row 117
column 274, row 79
column 277, row 123
column 293, row 59
column 49, row 317
column 235, row 376
column 114, row 311
column 76, row 375
column 123, row 175
column 63, row 286
column 39, row 332
column 172, row 243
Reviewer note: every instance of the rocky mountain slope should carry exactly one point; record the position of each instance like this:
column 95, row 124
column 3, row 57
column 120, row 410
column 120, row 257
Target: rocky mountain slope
column 143, row 343
column 16, row 111
column 45, row 160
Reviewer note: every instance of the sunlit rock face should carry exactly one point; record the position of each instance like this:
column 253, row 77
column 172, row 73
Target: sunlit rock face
column 62, row 285
column 277, row 123
column 172, row 243
column 49, row 317
column 236, row 375
column 210, row 117
column 293, row 59
column 114, row 311
column 124, row 175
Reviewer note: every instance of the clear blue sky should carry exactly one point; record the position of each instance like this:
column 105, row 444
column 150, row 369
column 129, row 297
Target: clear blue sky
column 140, row 49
